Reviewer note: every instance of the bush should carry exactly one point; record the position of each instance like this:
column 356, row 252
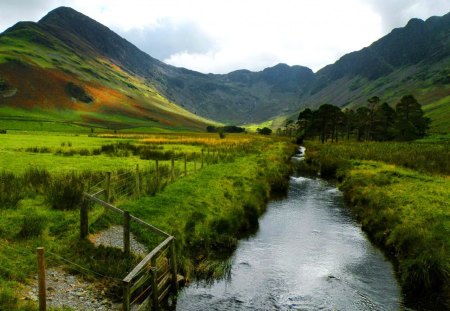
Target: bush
column 65, row 192
column 10, row 190
column 36, row 178
column 264, row 131
column 84, row 152
column 32, row 226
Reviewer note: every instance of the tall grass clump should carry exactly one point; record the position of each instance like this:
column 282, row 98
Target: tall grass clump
column 32, row 226
column 65, row 191
column 36, row 179
column 429, row 158
column 11, row 190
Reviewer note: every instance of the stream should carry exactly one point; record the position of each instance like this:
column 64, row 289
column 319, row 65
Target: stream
column 308, row 254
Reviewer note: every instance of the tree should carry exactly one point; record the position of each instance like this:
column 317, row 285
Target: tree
column 264, row 131
column 372, row 105
column 327, row 121
column 383, row 123
column 211, row 129
column 349, row 121
column 304, row 121
column 362, row 122
column 410, row 123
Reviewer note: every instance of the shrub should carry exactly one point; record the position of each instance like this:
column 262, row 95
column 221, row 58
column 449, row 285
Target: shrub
column 65, row 192
column 32, row 226
column 10, row 190
column 84, row 152
column 36, row 178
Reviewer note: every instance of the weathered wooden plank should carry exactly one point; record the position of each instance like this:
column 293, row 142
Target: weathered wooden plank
column 154, row 285
column 164, row 293
column 146, row 259
column 164, row 280
column 153, row 228
column 147, row 291
column 173, row 265
column 126, row 296
column 98, row 192
column 103, row 203
column 145, row 305
column 141, row 281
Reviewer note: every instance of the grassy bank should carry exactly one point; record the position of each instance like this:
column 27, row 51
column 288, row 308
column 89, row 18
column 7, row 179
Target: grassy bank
column 405, row 211
column 42, row 178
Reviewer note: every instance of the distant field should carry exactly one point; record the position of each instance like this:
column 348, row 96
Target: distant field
column 58, row 152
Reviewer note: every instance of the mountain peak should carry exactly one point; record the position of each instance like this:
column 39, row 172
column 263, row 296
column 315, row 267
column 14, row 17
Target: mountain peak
column 61, row 12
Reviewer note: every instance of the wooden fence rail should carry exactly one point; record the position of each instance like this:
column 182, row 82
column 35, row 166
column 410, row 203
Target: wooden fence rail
column 153, row 278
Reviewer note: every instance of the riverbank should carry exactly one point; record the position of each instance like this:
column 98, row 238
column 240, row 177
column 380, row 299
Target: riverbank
column 210, row 211
column 404, row 211
column 41, row 183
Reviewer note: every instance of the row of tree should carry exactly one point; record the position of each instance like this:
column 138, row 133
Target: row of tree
column 377, row 121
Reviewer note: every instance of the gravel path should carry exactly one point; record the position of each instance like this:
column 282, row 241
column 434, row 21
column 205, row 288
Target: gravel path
column 67, row 290
column 113, row 237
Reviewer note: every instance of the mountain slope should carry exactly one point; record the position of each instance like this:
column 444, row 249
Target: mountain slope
column 410, row 60
column 219, row 97
column 68, row 80
column 83, row 59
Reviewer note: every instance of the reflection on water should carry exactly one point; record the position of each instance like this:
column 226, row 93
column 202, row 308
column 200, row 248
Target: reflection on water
column 309, row 254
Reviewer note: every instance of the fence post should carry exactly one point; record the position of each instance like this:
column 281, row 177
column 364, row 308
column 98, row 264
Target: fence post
column 126, row 233
column 138, row 191
column 157, row 172
column 154, row 283
column 195, row 162
column 108, row 187
column 126, row 296
column 84, row 220
column 173, row 169
column 202, row 157
column 185, row 165
column 41, row 279
column 173, row 265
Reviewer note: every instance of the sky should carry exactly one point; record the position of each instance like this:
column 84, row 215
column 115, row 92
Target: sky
column 220, row 36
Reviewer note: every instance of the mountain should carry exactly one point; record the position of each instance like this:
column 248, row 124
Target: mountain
column 414, row 60
column 105, row 79
column 69, row 68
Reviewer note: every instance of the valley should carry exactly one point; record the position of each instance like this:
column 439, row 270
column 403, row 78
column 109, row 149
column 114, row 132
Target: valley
column 206, row 159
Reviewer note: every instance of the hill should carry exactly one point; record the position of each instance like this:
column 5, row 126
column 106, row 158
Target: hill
column 410, row 60
column 95, row 76
column 53, row 71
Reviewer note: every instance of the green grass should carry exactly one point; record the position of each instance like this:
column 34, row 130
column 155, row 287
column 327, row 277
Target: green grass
column 205, row 211
column 429, row 157
column 439, row 113
column 405, row 211
column 208, row 211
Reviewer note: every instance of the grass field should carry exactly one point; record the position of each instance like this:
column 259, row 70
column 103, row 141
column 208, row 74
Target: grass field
column 399, row 192
column 206, row 211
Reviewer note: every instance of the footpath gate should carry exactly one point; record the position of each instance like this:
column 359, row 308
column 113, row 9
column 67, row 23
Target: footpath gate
column 155, row 276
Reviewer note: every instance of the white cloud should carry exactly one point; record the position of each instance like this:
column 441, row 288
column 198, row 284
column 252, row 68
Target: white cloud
column 224, row 35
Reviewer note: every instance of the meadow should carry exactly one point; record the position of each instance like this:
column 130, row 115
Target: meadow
column 43, row 176
column 399, row 193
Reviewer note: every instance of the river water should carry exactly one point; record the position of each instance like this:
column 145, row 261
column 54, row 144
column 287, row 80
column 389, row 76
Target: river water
column 308, row 254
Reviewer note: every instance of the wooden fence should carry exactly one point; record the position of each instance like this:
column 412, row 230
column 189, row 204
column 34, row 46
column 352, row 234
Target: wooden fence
column 155, row 276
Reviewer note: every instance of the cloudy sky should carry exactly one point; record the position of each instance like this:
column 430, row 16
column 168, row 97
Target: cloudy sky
column 220, row 36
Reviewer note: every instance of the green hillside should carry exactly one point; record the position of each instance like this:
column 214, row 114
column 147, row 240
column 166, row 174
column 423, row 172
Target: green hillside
column 44, row 80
